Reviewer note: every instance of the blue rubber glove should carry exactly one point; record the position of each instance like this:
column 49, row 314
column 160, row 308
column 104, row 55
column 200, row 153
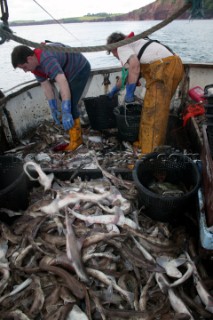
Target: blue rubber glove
column 54, row 110
column 67, row 119
column 114, row 90
column 130, row 89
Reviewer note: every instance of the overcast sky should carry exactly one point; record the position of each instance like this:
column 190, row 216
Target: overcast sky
column 30, row 9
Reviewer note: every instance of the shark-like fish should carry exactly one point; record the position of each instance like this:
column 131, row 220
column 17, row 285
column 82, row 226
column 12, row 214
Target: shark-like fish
column 44, row 179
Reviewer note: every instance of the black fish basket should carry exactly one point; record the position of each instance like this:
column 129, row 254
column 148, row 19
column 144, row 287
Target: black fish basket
column 128, row 121
column 100, row 111
column 13, row 188
column 176, row 169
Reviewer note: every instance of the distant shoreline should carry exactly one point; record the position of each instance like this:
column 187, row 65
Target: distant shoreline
column 104, row 17
column 46, row 22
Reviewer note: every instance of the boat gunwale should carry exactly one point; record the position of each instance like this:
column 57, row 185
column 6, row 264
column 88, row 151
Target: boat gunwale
column 94, row 72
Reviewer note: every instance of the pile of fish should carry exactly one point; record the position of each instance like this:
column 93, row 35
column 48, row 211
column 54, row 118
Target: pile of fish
column 39, row 147
column 84, row 249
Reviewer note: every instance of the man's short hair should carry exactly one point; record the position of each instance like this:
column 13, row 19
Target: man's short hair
column 20, row 54
column 115, row 37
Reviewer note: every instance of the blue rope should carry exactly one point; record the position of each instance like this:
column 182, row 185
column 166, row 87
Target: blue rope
column 196, row 9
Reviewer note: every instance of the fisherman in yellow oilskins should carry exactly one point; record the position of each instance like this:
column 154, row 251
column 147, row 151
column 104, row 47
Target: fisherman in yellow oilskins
column 70, row 71
column 163, row 70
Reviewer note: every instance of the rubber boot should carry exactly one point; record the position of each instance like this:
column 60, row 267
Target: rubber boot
column 75, row 136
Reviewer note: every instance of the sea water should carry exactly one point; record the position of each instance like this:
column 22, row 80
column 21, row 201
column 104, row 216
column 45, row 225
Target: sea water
column 191, row 39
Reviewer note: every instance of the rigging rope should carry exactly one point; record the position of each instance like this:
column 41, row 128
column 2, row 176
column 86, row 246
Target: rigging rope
column 56, row 20
column 11, row 36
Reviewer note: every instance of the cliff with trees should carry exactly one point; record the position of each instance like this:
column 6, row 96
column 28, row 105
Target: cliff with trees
column 158, row 10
